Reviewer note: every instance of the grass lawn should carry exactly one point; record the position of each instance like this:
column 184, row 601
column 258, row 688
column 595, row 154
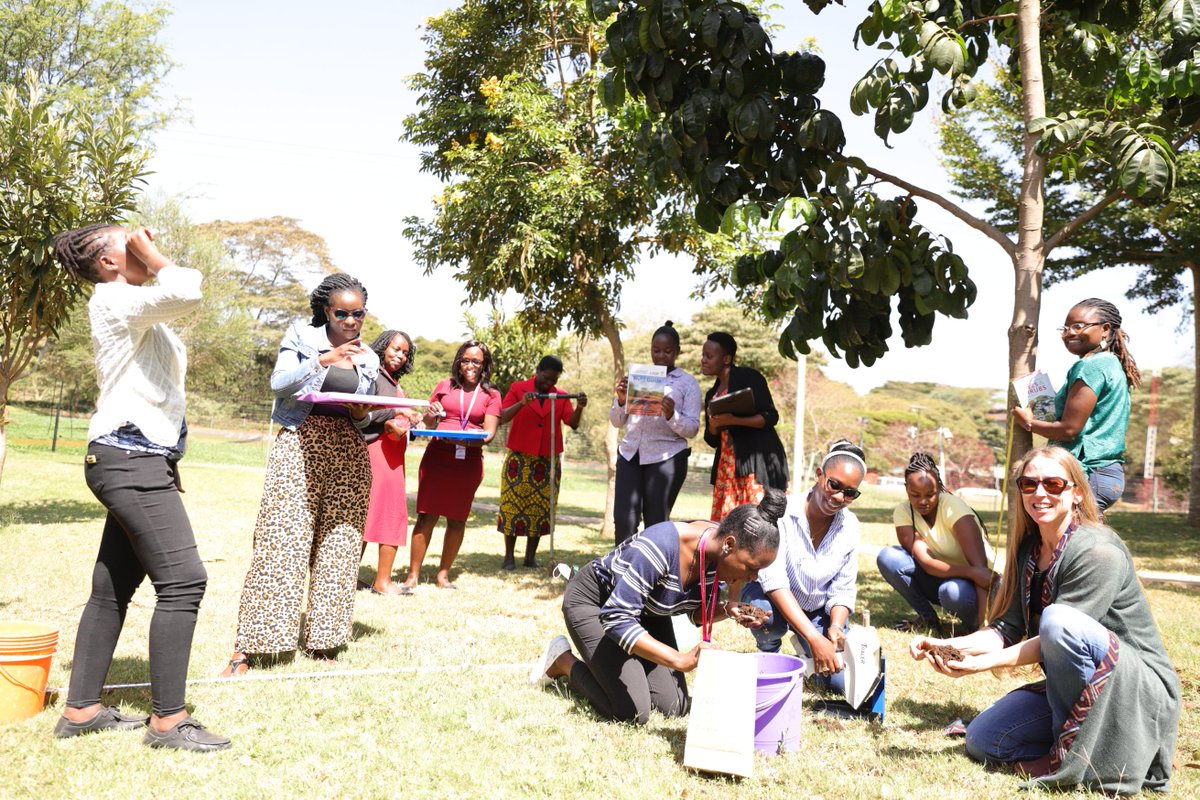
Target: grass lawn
column 477, row 731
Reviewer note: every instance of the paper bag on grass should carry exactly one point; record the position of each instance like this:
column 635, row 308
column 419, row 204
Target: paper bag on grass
column 720, row 735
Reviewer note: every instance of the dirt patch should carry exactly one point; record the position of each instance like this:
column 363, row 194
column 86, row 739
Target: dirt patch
column 746, row 614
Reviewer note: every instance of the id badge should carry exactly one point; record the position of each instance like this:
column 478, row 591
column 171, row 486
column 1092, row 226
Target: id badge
column 460, row 452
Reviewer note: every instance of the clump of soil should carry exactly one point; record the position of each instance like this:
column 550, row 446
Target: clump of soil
column 744, row 613
column 947, row 652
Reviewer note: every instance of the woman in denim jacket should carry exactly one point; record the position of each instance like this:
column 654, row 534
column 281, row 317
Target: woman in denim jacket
column 317, row 487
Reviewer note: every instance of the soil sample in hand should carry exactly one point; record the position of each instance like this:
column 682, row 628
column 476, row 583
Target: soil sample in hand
column 947, row 652
column 744, row 613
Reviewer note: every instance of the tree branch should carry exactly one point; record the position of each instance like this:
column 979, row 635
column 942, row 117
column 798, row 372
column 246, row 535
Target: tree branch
column 955, row 210
column 1084, row 218
column 983, row 20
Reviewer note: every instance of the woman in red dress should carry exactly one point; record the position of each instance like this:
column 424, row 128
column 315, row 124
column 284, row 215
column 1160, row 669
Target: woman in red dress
column 451, row 470
column 387, row 441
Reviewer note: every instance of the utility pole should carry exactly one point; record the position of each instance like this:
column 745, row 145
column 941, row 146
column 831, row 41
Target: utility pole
column 799, row 468
column 1149, row 478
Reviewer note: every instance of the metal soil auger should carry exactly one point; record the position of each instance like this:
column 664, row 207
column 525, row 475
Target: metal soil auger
column 553, row 398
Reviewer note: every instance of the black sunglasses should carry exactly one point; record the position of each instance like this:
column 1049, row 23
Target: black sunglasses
column 837, row 487
column 1054, row 486
column 341, row 313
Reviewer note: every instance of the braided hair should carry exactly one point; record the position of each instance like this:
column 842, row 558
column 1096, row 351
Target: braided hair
column 79, row 250
column 755, row 528
column 384, row 340
column 843, row 451
column 923, row 462
column 1117, row 340
column 667, row 329
column 337, row 282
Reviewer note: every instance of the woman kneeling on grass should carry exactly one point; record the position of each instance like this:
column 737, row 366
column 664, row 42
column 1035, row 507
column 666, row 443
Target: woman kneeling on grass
column 1107, row 714
column 618, row 609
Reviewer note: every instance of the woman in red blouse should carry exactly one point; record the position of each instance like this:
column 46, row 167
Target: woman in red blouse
column 525, row 480
column 451, row 470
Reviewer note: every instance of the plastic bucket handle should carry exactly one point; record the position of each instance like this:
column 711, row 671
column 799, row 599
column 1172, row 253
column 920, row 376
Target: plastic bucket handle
column 784, row 689
column 16, row 681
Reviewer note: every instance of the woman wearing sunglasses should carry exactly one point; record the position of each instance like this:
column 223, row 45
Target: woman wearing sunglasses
column 1092, row 405
column 1107, row 714
column 317, row 486
column 451, row 470
column 810, row 588
column 943, row 558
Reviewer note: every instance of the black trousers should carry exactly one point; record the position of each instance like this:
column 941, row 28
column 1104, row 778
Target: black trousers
column 646, row 492
column 147, row 532
column 618, row 685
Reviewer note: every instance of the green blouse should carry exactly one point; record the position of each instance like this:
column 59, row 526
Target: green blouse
column 1102, row 440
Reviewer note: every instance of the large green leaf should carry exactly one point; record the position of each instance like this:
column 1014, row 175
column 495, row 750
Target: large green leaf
column 1183, row 17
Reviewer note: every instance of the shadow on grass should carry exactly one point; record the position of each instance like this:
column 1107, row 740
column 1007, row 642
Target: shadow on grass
column 1165, row 538
column 931, row 715
column 50, row 512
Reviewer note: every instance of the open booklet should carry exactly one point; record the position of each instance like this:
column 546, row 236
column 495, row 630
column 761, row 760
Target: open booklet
column 1036, row 392
column 646, row 389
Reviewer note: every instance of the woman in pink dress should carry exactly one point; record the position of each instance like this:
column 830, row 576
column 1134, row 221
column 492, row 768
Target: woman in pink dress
column 387, row 441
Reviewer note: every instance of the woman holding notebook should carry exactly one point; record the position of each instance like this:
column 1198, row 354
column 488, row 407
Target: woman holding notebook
column 740, row 419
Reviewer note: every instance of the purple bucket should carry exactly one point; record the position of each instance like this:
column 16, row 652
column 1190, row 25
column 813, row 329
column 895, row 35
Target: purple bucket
column 777, row 710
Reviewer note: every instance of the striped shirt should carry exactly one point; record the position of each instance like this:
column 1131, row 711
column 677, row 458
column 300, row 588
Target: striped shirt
column 819, row 578
column 642, row 576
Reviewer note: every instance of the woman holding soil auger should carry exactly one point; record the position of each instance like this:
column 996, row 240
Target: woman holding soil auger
column 1107, row 714
column 618, row 608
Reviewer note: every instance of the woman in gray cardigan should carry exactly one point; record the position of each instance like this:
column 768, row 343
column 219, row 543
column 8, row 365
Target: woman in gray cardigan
column 1107, row 714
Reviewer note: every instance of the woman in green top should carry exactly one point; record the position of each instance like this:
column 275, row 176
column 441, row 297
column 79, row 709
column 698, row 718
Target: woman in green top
column 1092, row 407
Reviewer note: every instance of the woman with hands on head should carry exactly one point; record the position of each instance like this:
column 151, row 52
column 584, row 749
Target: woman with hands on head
column 317, row 486
column 810, row 589
column 652, row 458
column 1092, row 405
column 943, row 557
column 749, row 456
column 618, row 608
column 135, row 441
column 451, row 470
column 387, row 441
column 525, row 488
column 1107, row 714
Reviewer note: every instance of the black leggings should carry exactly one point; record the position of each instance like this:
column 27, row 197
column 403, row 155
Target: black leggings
column 646, row 492
column 619, row 686
column 147, row 532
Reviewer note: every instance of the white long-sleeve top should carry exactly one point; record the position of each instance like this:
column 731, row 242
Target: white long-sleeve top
column 140, row 362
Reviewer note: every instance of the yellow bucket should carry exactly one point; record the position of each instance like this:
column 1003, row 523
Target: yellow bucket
column 26, row 649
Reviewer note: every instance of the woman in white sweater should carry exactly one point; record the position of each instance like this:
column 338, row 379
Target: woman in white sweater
column 135, row 441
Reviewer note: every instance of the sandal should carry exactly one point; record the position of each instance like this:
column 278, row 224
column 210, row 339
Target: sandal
column 236, row 668
column 919, row 624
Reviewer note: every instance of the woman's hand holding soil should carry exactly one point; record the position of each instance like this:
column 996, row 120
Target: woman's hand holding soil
column 747, row 615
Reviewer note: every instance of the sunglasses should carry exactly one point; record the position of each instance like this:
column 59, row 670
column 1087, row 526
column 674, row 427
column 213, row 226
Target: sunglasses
column 1054, row 486
column 837, row 487
column 342, row 314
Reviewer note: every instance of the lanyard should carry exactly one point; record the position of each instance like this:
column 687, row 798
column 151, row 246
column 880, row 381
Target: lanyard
column 708, row 611
column 465, row 416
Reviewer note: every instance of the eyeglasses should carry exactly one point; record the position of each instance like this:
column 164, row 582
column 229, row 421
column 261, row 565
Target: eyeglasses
column 342, row 314
column 1054, row 486
column 837, row 487
column 1078, row 327
column 472, row 362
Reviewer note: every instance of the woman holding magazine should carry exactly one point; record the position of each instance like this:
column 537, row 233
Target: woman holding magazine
column 1092, row 406
column 749, row 455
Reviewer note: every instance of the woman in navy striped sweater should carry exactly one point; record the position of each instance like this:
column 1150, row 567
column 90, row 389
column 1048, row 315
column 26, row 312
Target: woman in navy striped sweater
column 618, row 609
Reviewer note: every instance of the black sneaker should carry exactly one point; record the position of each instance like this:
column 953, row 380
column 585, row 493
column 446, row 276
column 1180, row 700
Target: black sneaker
column 188, row 734
column 106, row 719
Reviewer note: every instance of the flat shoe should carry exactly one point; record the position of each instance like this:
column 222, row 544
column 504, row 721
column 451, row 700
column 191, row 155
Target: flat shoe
column 555, row 648
column 400, row 588
column 187, row 734
column 234, row 668
column 508, row 566
column 448, row 586
column 106, row 719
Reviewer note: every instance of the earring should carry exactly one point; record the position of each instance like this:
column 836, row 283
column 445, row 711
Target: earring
column 1104, row 344
column 725, row 550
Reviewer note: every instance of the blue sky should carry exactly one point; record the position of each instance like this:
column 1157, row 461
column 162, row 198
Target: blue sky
column 296, row 110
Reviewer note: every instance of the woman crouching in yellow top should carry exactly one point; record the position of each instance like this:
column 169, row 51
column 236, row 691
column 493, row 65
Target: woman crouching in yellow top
column 943, row 557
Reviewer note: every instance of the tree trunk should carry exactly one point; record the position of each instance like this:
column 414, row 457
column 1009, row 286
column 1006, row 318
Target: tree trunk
column 1030, row 255
column 4, row 384
column 1193, row 517
column 612, row 436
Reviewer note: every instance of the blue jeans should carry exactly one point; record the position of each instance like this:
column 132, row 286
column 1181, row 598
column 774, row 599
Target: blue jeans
column 1108, row 483
column 769, row 637
column 920, row 589
column 1023, row 724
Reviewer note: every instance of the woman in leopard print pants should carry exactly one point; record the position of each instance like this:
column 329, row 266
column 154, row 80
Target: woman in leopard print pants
column 318, row 483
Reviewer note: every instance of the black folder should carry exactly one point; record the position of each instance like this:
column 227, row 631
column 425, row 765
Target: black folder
column 739, row 403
